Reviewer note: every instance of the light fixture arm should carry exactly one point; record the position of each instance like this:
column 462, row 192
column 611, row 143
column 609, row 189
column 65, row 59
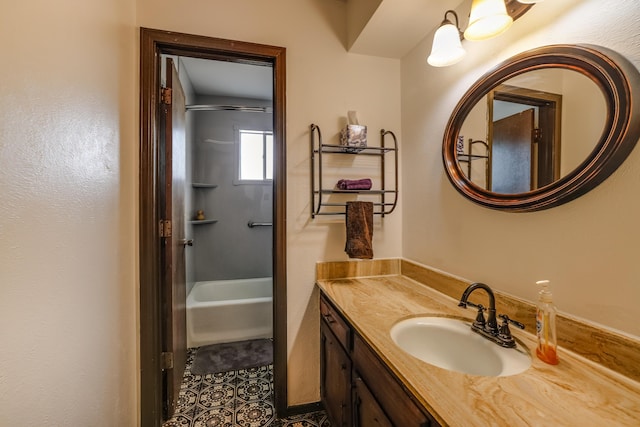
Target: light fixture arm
column 446, row 21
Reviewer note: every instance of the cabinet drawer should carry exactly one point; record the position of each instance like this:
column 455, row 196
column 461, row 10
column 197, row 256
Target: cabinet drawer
column 335, row 322
column 366, row 411
column 391, row 396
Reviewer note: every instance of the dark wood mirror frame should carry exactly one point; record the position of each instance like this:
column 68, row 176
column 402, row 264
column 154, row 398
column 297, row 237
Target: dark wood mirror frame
column 619, row 81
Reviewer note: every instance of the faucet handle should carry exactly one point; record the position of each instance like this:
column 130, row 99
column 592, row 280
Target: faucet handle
column 506, row 320
column 480, row 321
column 504, row 334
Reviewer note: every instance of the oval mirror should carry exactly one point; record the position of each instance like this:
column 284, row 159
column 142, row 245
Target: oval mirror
column 543, row 128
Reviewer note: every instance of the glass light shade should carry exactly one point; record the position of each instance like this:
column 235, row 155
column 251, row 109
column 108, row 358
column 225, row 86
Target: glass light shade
column 487, row 19
column 446, row 49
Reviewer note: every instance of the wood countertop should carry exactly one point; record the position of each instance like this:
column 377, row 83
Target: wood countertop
column 576, row 392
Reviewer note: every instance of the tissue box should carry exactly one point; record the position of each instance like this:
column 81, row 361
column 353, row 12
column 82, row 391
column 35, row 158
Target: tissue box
column 353, row 138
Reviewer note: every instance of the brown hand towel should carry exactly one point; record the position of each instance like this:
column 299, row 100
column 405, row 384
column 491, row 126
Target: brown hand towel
column 359, row 223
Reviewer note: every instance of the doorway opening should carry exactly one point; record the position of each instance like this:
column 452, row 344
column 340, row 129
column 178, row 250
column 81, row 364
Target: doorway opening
column 524, row 137
column 228, row 200
column 155, row 163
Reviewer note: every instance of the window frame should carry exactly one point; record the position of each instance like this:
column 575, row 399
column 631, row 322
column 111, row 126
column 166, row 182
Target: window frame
column 238, row 130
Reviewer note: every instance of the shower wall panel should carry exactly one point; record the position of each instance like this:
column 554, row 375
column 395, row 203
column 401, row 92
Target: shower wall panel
column 229, row 249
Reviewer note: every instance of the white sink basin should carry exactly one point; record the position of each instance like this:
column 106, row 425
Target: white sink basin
column 451, row 344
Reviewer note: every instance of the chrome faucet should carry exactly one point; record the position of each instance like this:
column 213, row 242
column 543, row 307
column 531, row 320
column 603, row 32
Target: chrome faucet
column 488, row 327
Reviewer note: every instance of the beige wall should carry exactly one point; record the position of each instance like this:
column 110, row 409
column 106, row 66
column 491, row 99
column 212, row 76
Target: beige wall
column 323, row 83
column 68, row 150
column 68, row 170
column 588, row 248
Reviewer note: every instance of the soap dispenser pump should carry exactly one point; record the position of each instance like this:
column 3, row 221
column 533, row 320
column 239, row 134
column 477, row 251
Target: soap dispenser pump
column 546, row 325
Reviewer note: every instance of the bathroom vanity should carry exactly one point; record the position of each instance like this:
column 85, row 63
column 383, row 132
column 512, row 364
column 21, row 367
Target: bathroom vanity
column 356, row 385
column 367, row 380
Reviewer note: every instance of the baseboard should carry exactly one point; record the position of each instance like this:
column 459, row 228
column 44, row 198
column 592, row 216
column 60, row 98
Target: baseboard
column 302, row 409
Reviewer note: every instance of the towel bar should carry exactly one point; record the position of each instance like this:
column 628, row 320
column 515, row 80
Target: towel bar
column 252, row 224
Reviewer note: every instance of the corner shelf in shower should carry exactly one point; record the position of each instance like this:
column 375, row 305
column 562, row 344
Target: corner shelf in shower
column 201, row 185
column 382, row 205
column 203, row 221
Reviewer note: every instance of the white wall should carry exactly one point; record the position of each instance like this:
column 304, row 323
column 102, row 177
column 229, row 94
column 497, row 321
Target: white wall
column 323, row 83
column 68, row 202
column 588, row 248
column 584, row 113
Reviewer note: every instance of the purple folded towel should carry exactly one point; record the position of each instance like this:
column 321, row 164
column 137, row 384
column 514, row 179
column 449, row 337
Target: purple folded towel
column 354, row 184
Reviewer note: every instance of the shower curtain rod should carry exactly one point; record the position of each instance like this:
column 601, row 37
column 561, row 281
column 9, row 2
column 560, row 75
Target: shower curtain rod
column 217, row 107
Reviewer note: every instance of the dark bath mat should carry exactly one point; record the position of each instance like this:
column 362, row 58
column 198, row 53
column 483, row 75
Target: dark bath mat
column 232, row 356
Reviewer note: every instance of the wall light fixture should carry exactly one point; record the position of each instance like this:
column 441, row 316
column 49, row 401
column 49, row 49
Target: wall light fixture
column 487, row 19
column 447, row 47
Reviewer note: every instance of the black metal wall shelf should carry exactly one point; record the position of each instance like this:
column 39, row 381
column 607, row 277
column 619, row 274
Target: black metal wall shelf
column 469, row 157
column 382, row 204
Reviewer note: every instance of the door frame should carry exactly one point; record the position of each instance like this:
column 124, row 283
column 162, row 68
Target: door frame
column 548, row 139
column 154, row 43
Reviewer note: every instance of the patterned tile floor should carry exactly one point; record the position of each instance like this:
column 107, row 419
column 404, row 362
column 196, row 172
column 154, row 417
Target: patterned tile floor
column 236, row 398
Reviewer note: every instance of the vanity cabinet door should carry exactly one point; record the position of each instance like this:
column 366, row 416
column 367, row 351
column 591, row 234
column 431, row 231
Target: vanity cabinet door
column 369, row 395
column 394, row 400
column 366, row 410
column 335, row 374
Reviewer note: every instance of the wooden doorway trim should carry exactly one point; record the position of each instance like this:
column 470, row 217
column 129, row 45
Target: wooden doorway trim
column 548, row 137
column 154, row 43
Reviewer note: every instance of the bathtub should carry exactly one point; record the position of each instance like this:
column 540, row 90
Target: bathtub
column 229, row 310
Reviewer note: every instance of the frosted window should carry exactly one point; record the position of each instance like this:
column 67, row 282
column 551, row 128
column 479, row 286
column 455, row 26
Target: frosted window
column 255, row 156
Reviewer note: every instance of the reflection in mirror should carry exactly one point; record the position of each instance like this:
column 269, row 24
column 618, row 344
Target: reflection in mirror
column 578, row 115
column 531, row 130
